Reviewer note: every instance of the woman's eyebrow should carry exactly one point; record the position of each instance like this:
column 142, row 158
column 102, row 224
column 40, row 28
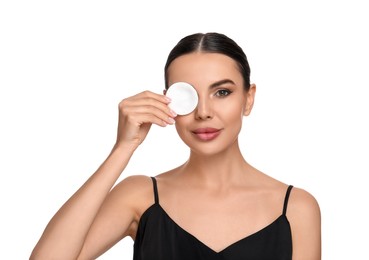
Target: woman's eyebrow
column 221, row 82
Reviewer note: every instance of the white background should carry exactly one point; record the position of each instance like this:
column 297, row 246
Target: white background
column 65, row 65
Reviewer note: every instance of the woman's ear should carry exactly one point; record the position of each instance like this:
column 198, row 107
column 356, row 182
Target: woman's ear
column 250, row 98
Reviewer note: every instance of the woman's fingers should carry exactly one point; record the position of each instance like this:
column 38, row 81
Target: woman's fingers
column 155, row 103
column 145, row 108
column 137, row 113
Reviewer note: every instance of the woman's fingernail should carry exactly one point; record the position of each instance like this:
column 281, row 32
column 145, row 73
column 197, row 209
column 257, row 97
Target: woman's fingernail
column 171, row 120
column 174, row 114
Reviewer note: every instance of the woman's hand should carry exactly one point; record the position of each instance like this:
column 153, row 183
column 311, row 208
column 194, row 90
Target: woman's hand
column 137, row 113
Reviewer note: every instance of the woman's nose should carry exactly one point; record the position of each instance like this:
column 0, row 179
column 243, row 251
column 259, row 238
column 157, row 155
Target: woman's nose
column 204, row 109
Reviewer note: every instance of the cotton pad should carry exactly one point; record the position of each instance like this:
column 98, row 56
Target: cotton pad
column 184, row 98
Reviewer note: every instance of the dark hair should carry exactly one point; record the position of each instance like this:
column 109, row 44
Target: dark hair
column 210, row 43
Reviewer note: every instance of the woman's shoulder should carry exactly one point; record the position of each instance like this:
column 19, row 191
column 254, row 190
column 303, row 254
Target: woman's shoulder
column 134, row 184
column 302, row 203
column 302, row 206
column 135, row 191
column 303, row 213
column 300, row 200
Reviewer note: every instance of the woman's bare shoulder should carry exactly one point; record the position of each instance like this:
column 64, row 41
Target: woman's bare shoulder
column 303, row 213
column 134, row 183
column 135, row 180
column 135, row 191
column 302, row 204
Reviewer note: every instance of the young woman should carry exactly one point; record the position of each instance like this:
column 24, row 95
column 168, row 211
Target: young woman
column 215, row 205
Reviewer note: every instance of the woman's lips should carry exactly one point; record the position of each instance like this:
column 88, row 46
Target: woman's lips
column 206, row 134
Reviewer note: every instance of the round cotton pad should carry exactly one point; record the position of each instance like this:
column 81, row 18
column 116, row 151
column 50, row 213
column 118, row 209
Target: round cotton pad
column 184, row 98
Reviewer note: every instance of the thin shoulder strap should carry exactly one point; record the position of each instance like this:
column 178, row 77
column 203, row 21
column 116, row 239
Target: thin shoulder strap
column 286, row 199
column 155, row 190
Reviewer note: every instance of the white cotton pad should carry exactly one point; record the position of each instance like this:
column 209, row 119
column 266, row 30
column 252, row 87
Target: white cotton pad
column 184, row 98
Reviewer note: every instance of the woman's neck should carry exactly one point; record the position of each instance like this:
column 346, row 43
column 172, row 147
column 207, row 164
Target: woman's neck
column 216, row 169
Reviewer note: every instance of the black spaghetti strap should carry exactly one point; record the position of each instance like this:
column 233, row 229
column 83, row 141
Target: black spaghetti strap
column 155, row 190
column 286, row 199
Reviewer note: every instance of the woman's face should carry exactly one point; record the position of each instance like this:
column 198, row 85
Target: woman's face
column 215, row 123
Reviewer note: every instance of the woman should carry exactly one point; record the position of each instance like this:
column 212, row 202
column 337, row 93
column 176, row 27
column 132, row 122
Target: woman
column 215, row 205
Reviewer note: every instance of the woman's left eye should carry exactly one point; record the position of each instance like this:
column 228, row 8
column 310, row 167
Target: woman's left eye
column 223, row 92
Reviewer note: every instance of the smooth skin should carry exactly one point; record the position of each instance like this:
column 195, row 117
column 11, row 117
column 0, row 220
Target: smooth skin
column 215, row 195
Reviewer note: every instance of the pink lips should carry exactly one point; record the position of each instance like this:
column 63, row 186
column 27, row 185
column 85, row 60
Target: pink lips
column 207, row 134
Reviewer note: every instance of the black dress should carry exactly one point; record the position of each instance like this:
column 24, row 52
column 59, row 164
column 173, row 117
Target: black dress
column 160, row 238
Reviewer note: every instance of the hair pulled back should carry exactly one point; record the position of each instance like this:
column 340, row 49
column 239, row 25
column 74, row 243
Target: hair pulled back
column 210, row 43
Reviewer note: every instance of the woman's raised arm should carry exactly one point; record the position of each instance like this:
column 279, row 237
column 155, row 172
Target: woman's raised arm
column 65, row 234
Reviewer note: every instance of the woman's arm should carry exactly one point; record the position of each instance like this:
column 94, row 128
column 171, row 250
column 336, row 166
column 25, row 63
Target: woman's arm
column 66, row 232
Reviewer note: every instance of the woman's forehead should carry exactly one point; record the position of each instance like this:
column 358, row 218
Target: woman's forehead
column 203, row 67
